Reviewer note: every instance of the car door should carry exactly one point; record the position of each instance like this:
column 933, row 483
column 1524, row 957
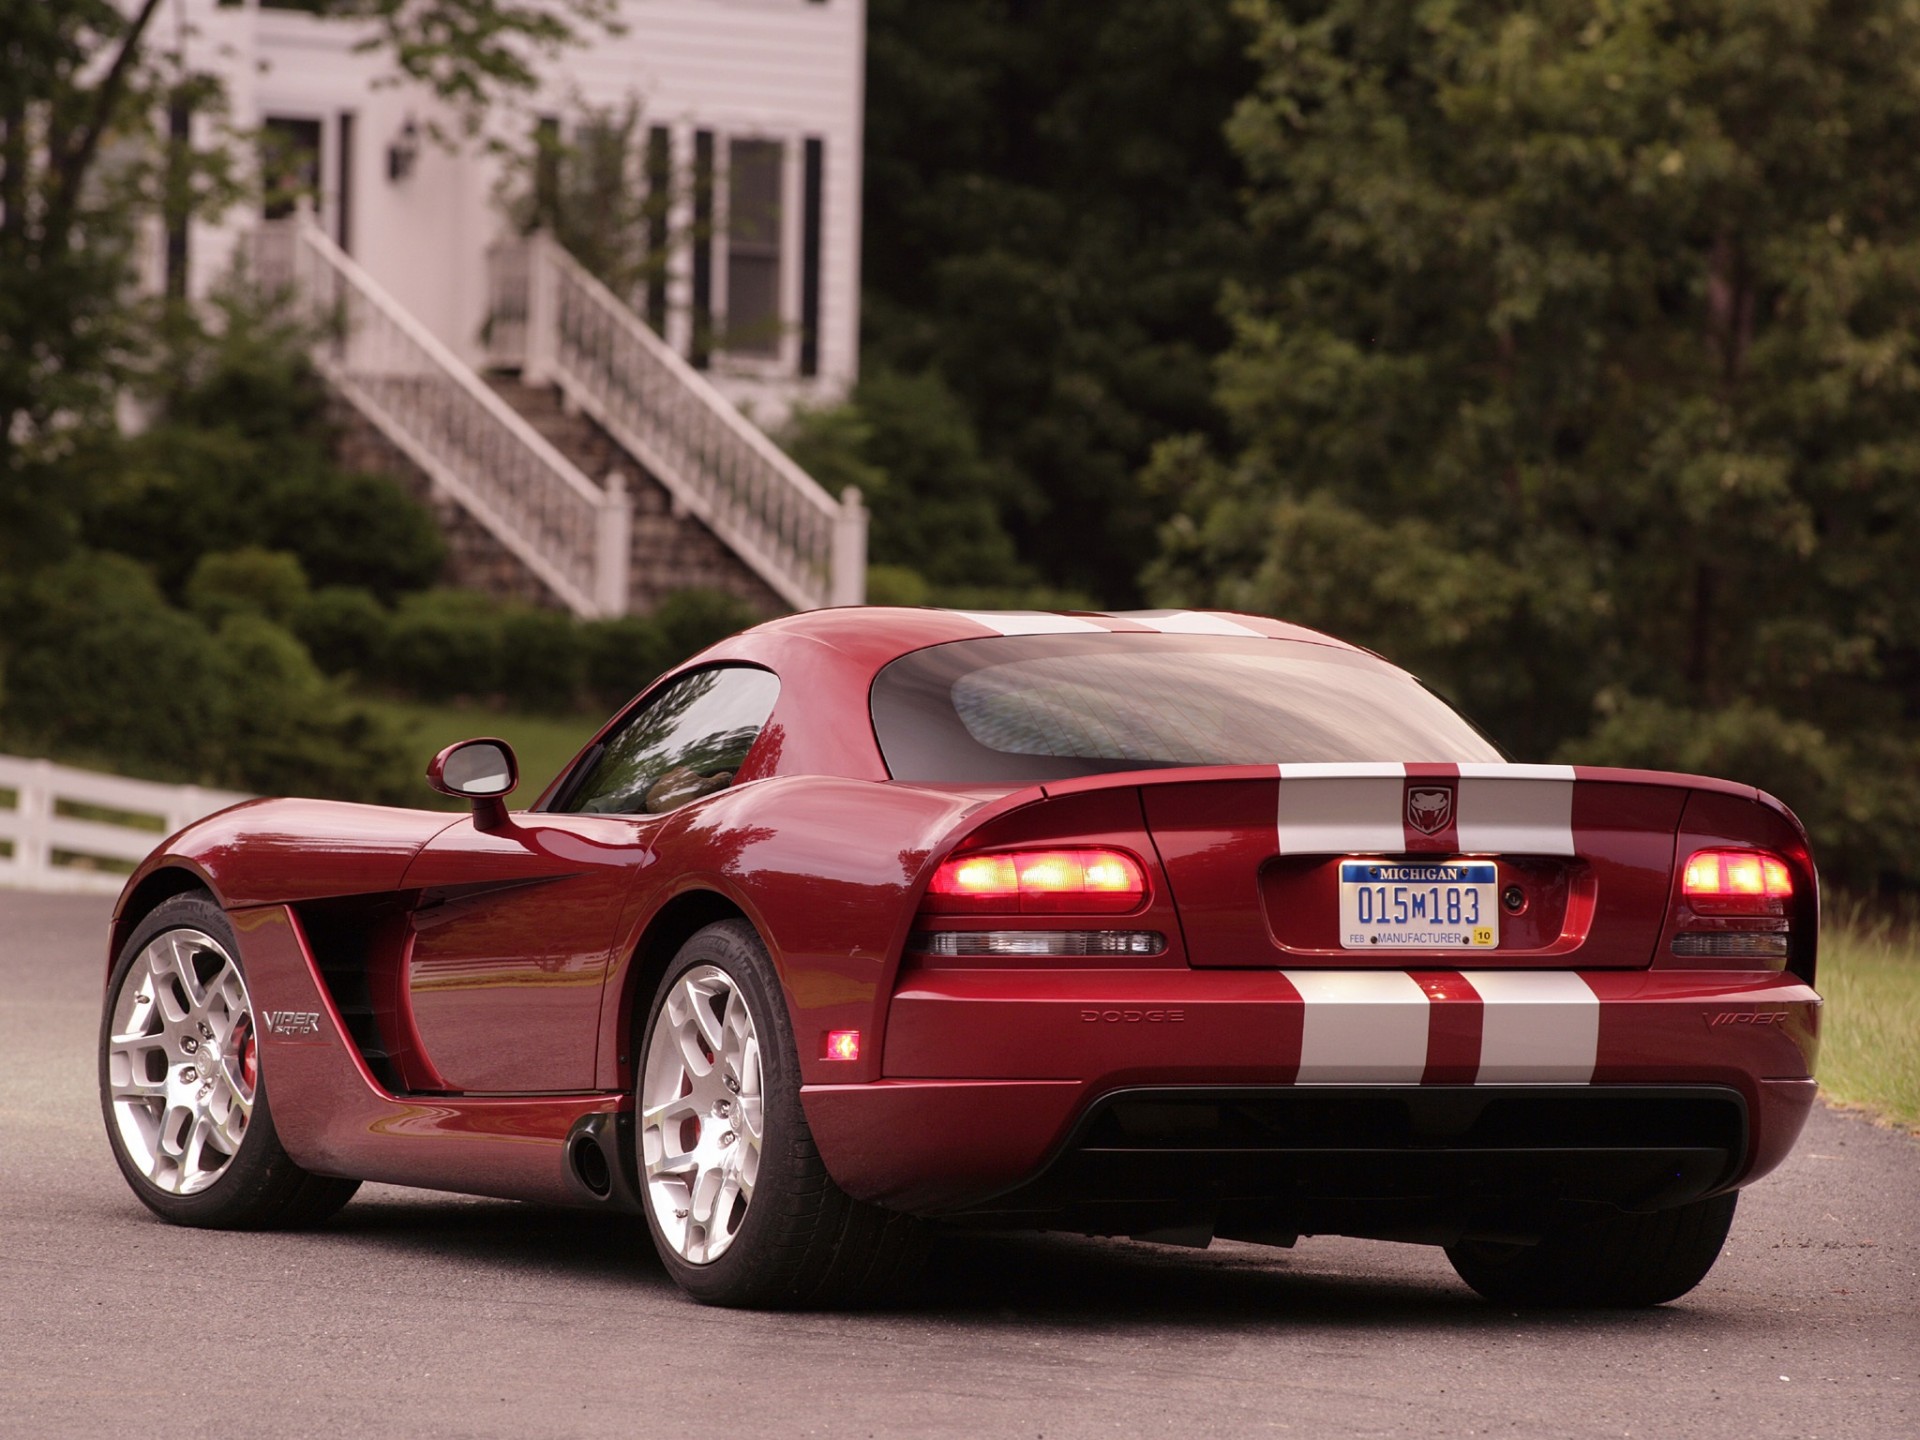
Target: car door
column 514, row 930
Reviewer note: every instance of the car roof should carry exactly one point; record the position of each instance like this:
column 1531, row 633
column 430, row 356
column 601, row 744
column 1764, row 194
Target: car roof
column 904, row 628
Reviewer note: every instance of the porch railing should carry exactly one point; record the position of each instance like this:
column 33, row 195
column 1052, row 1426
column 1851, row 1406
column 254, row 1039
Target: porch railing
column 563, row 327
column 569, row 532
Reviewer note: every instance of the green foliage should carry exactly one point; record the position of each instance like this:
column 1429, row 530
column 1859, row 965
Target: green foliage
column 343, row 628
column 935, row 501
column 1582, row 369
column 623, row 656
column 101, row 664
column 241, row 455
column 543, row 660
column 692, row 619
column 1050, row 214
column 100, row 661
column 443, row 644
column 249, row 581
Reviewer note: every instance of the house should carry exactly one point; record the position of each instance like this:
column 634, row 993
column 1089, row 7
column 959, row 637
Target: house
column 584, row 448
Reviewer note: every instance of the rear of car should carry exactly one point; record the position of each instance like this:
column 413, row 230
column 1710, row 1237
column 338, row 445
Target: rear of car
column 1272, row 942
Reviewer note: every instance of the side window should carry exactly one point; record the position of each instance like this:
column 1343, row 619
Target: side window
column 686, row 743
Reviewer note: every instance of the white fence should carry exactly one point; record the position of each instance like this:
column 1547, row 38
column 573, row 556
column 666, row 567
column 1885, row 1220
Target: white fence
column 67, row 829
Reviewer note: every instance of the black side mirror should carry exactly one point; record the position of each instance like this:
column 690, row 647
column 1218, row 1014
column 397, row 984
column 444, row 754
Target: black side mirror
column 483, row 771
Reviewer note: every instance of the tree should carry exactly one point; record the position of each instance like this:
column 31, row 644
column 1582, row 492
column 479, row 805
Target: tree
column 1050, row 213
column 1582, row 377
column 81, row 84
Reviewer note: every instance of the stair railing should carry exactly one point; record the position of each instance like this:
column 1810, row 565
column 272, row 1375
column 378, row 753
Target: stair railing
column 571, row 331
column 571, row 534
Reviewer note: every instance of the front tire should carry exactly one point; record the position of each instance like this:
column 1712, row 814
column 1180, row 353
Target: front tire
column 181, row 1086
column 1621, row 1262
column 740, row 1207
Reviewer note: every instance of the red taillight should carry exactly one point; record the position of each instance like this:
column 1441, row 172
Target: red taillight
column 1736, row 882
column 1039, row 882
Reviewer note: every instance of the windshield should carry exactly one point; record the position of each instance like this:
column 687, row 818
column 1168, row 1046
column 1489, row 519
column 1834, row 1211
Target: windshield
column 1046, row 707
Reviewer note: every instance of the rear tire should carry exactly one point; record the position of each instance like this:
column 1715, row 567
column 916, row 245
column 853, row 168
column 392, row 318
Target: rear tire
column 740, row 1207
column 1621, row 1262
column 181, row 1085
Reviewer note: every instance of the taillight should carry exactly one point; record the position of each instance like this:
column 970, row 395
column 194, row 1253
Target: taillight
column 1737, row 882
column 1734, row 908
column 1038, row 882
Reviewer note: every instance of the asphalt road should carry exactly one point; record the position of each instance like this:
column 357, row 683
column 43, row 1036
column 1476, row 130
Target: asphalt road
column 417, row 1313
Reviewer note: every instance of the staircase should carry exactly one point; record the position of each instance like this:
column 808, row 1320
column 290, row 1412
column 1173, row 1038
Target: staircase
column 610, row 470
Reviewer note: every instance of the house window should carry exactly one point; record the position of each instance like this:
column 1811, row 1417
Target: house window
column 289, row 164
column 753, row 247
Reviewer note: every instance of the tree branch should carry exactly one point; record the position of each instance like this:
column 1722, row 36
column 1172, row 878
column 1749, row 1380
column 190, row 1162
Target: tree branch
column 71, row 167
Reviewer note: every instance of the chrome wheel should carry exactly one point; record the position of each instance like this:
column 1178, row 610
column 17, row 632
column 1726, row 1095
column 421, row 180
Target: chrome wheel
column 702, row 1113
column 182, row 1061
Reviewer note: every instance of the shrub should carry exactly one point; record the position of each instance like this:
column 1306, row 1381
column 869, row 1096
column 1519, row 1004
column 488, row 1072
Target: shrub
column 290, row 731
column 443, row 644
column 246, row 581
column 100, row 662
column 691, row 620
column 543, row 659
column 344, row 628
column 623, row 656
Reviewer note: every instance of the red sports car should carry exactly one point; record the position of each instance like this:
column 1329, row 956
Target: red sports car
column 1161, row 924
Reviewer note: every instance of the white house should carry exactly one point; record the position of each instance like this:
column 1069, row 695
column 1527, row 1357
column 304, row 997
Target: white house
column 751, row 113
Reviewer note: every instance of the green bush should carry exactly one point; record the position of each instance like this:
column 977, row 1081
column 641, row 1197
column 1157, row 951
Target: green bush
column 246, row 581
column 344, row 628
column 543, row 659
column 290, row 731
column 691, row 620
column 444, row 644
column 623, row 657
column 100, row 662
column 100, row 666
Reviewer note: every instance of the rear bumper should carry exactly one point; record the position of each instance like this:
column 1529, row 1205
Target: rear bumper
column 994, row 1080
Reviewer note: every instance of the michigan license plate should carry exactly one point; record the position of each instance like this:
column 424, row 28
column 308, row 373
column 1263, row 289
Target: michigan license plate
column 1428, row 905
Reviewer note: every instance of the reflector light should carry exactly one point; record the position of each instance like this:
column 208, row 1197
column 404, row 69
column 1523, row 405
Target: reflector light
column 1733, row 945
column 843, row 1045
column 1105, row 882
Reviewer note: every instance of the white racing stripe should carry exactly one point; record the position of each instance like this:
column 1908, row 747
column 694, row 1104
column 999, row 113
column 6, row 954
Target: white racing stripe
column 1538, row 1027
column 1361, row 1027
column 1032, row 622
column 1187, row 622
column 1336, row 809
column 1515, row 809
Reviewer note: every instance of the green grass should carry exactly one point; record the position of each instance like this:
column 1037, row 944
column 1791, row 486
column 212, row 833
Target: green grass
column 1870, row 1035
column 542, row 743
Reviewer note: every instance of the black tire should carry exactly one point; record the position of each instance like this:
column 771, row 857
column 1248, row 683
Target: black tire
column 802, row 1241
column 1621, row 1262
column 259, row 1186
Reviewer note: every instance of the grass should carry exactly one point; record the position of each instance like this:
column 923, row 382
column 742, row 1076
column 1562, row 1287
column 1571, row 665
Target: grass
column 1870, row 1035
column 542, row 743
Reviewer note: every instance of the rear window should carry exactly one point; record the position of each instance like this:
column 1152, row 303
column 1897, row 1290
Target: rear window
column 1046, row 707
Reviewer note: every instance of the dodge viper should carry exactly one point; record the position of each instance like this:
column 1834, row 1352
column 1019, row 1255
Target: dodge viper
column 1165, row 924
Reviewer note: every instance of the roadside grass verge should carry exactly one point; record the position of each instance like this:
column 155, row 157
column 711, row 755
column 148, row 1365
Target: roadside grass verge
column 542, row 743
column 1870, row 1035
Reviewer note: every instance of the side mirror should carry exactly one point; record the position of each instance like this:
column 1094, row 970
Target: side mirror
column 482, row 771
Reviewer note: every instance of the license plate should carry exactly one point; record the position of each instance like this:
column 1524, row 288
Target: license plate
column 1427, row 905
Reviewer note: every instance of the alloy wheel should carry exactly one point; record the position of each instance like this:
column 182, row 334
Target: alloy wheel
column 702, row 1114
column 182, row 1061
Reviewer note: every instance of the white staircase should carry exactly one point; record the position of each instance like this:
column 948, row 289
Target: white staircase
column 572, row 533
